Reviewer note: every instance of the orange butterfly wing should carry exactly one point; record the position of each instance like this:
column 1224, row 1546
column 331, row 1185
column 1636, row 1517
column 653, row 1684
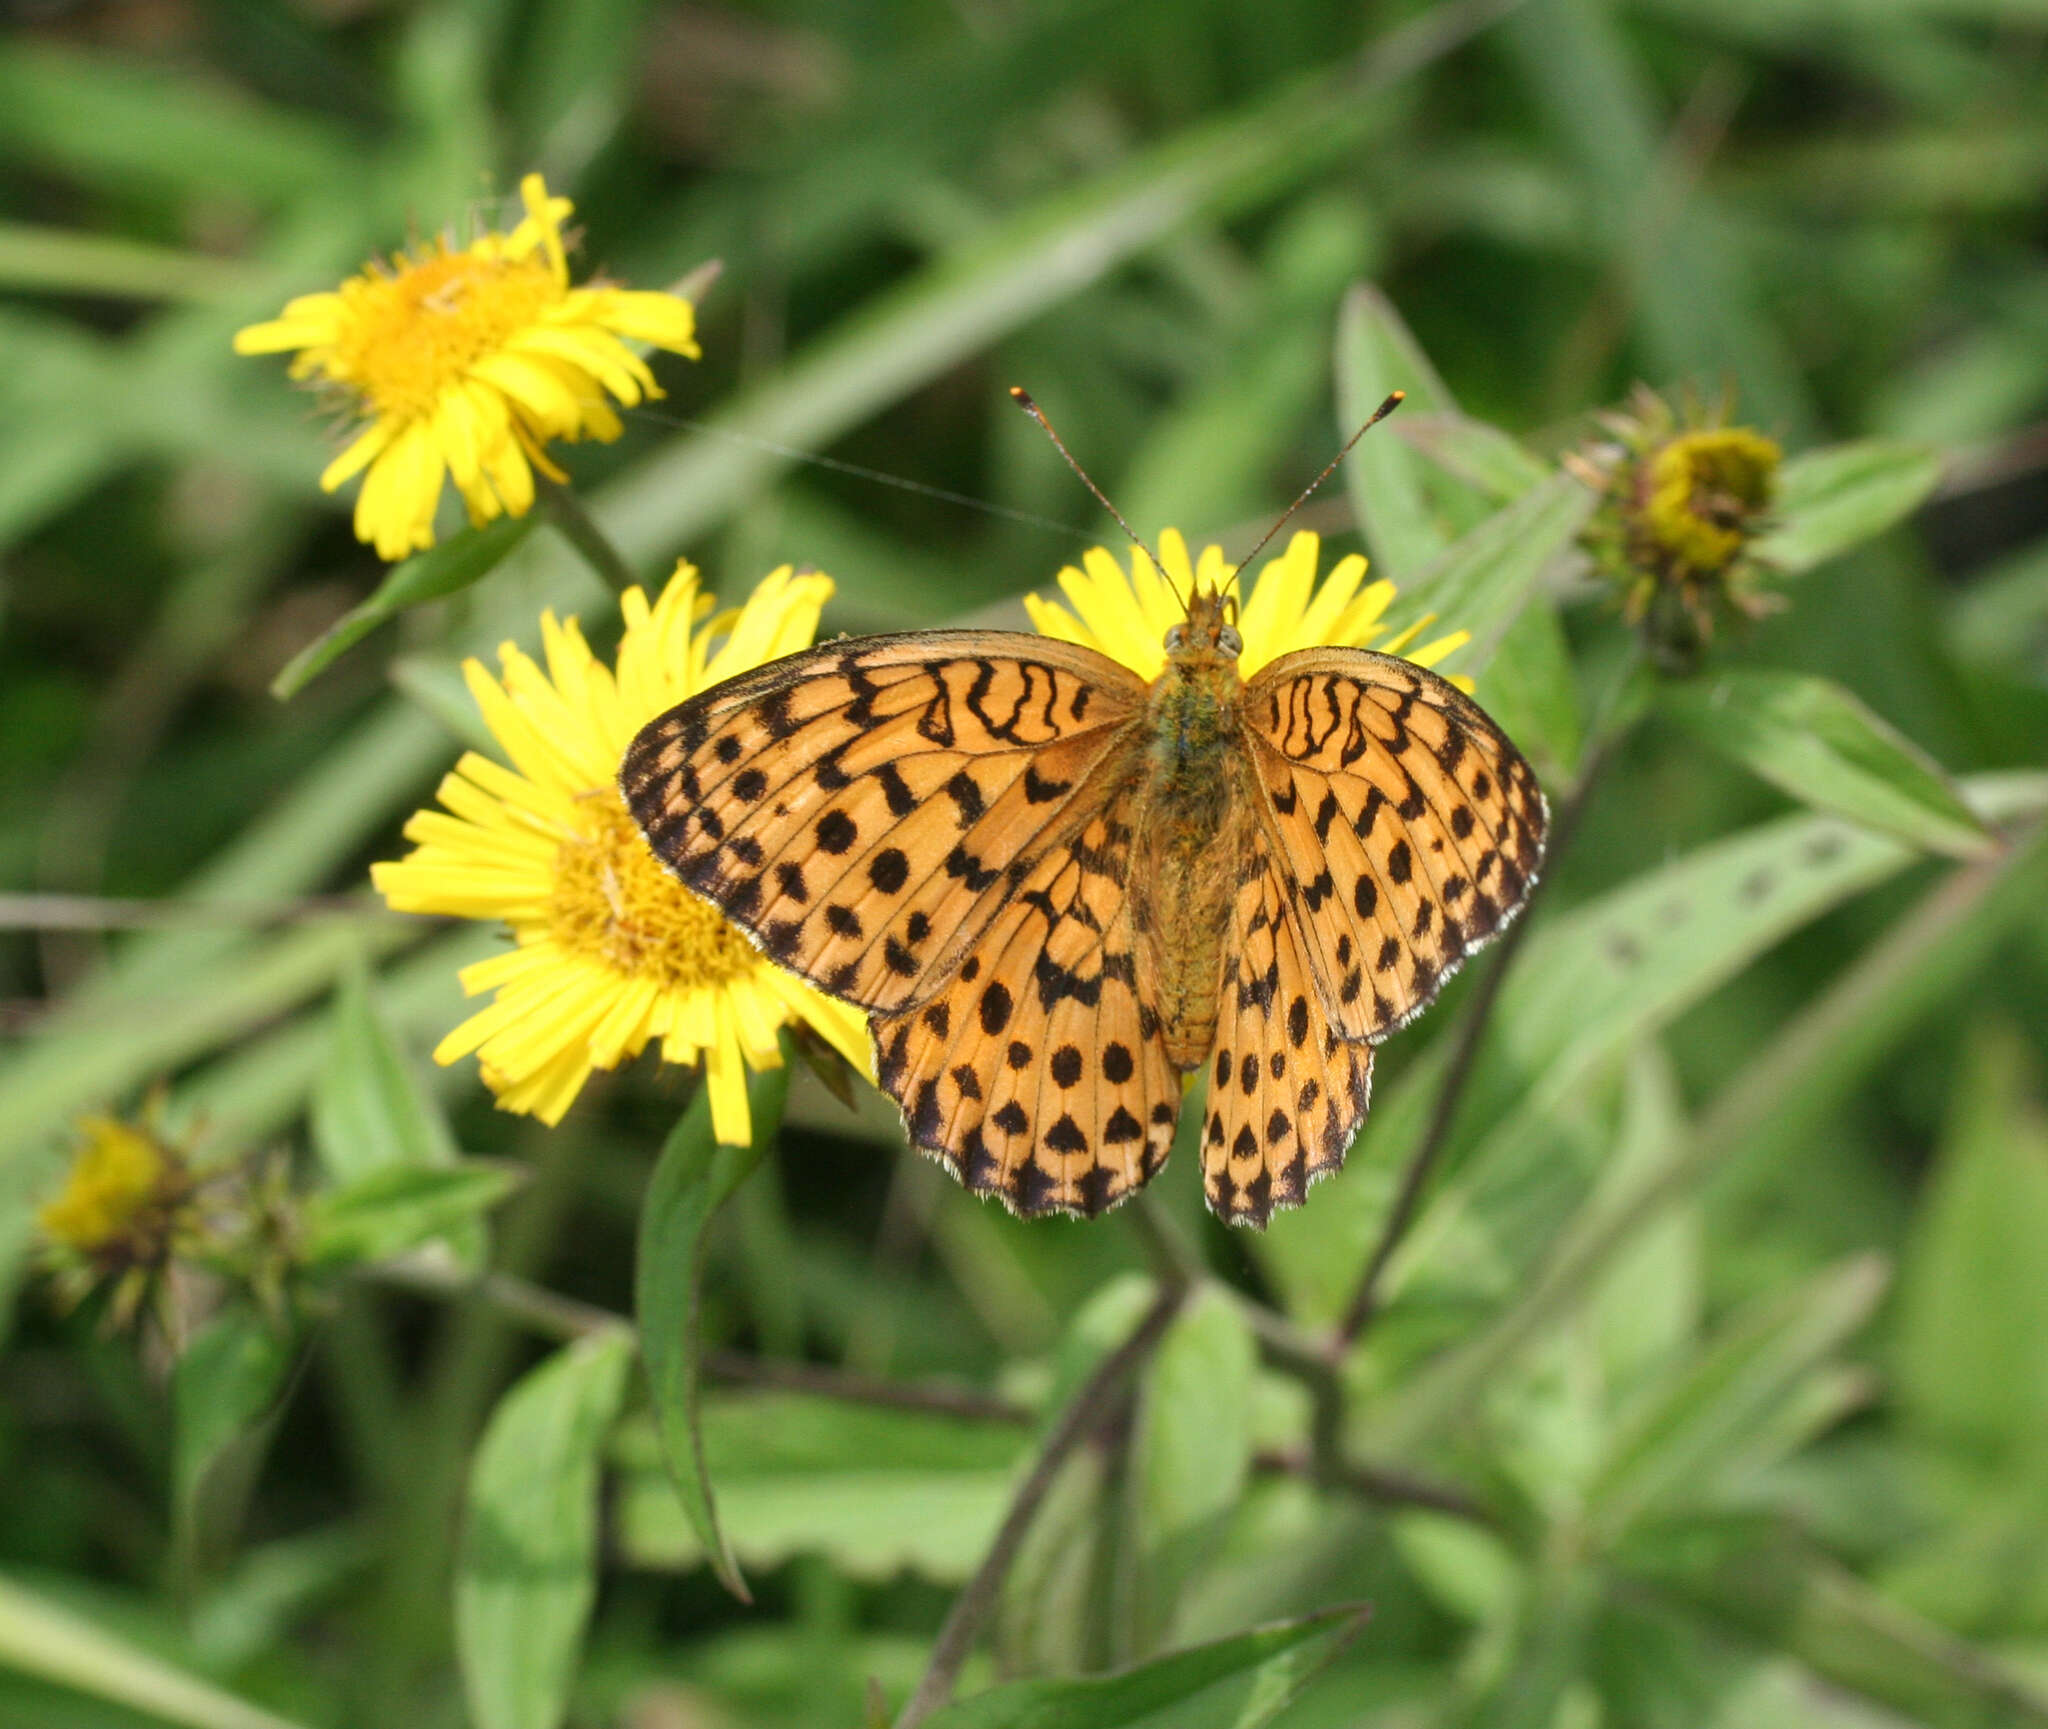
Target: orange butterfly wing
column 938, row 828
column 1398, row 831
column 1286, row 1091
column 864, row 808
column 1038, row 1073
column 1407, row 827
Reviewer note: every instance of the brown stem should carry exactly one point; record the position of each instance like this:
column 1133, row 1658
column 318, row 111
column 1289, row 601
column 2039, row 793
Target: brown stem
column 564, row 1318
column 568, row 513
column 1382, row 1485
column 1084, row 1413
column 831, row 1383
column 1364, row 1304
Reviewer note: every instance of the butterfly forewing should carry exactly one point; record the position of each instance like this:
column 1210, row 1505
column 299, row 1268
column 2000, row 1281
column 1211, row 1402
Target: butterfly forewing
column 863, row 808
column 1038, row 1073
column 1409, row 829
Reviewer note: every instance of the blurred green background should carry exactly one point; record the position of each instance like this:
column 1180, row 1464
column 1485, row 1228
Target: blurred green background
column 1722, row 1336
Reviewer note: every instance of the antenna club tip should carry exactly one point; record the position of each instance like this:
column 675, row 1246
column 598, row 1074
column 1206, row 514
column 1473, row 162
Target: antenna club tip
column 1396, row 397
column 1022, row 397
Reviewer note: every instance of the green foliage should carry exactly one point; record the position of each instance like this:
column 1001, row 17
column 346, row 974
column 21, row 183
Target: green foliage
column 693, row 1179
column 1240, row 1683
column 1704, row 1383
column 529, row 1543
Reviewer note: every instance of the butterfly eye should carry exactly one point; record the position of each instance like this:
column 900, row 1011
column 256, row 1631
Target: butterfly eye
column 1229, row 641
column 1177, row 636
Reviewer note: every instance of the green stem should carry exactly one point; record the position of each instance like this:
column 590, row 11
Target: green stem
column 1076, row 1423
column 1365, row 1300
column 568, row 513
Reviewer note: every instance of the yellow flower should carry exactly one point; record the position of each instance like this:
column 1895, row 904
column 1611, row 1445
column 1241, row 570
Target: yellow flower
column 113, row 1197
column 467, row 362
column 1702, row 493
column 610, row 951
column 1127, row 613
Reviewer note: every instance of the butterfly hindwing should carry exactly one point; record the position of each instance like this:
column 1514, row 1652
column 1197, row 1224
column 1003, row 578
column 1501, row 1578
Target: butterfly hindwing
column 1286, row 1091
column 862, row 808
column 1409, row 830
column 1037, row 1073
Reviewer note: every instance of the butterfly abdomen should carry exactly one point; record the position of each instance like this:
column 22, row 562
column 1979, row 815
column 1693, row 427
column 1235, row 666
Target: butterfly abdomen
column 1186, row 863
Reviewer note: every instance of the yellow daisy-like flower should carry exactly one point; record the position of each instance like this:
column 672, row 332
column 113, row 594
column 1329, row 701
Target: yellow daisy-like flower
column 610, row 951
column 466, row 363
column 1126, row 613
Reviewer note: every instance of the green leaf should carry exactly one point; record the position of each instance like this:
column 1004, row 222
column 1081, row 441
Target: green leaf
column 1830, row 500
column 1785, row 1593
column 1478, row 454
column 394, row 1210
column 1813, row 739
column 138, row 127
column 1192, row 1451
column 1973, row 1296
column 40, row 1638
column 1648, row 1309
column 1482, row 580
column 449, row 568
column 1236, row 1683
column 1529, row 687
column 874, row 1490
column 228, row 1376
column 1806, row 1070
column 527, row 1573
column 68, row 261
column 693, row 1179
column 1678, row 1448
column 1585, row 988
column 369, row 1111
column 1376, row 355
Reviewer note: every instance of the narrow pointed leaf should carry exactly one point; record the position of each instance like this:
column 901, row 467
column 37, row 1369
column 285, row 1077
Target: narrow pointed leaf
column 1237, row 1683
column 228, row 1376
column 1376, row 355
column 1833, row 499
column 394, row 1210
column 1479, row 454
column 53, row 1643
column 1813, row 739
column 874, row 1490
column 369, row 1110
column 528, row 1570
column 442, row 570
column 1483, row 579
column 1192, row 1452
column 1679, row 1443
column 1786, row 1594
column 691, row 1182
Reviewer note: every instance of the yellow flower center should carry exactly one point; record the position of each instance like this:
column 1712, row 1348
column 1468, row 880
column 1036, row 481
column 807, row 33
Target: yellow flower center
column 115, row 1177
column 417, row 330
column 1703, row 489
column 613, row 903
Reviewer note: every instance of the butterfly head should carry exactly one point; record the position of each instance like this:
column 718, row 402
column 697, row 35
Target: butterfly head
column 1209, row 631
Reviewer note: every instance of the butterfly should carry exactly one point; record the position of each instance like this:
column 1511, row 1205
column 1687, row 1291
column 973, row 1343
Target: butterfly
column 1057, row 888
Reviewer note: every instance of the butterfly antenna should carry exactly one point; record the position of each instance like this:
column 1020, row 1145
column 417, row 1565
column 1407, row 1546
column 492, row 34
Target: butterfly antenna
column 1022, row 398
column 1307, row 492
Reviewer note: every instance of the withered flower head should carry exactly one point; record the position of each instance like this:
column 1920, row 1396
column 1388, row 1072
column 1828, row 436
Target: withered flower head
column 1685, row 495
